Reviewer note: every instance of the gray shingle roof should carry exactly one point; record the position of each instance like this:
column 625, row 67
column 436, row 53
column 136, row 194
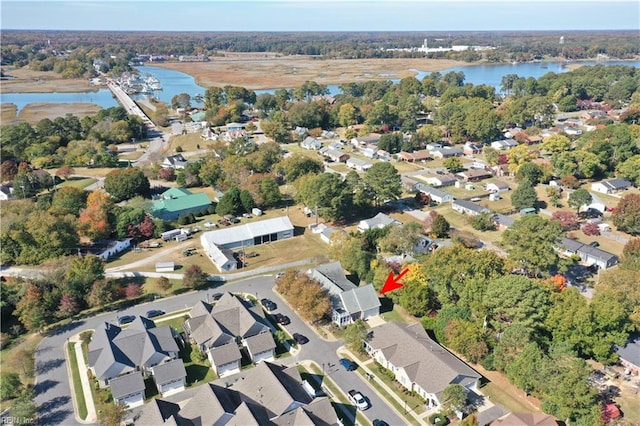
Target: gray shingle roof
column 471, row 206
column 225, row 354
column 211, row 405
column 169, row 371
column 381, row 220
column 430, row 190
column 260, row 343
column 248, row 414
column 158, row 412
column 275, row 387
column 427, row 363
column 114, row 351
column 631, row 351
column 127, row 385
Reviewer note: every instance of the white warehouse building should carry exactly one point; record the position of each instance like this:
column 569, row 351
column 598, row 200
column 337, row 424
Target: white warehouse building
column 218, row 244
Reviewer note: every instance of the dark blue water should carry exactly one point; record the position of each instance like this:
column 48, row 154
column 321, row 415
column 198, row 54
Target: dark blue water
column 176, row 82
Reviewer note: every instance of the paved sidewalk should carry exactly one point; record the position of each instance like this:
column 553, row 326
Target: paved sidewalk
column 92, row 416
column 421, row 419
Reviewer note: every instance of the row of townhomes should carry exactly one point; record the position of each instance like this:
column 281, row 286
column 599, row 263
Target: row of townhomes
column 265, row 395
column 228, row 329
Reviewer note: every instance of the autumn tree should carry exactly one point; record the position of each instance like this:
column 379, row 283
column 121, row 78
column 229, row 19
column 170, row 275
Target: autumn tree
column 568, row 220
column 626, row 216
column 102, row 293
column 30, row 309
column 306, row 296
column 466, row 338
column 164, row 284
column 195, row 278
column 68, row 306
column 631, row 255
column 590, row 228
column 112, row 414
column 95, row 219
column 65, row 172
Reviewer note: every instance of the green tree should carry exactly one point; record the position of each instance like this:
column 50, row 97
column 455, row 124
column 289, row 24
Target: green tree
column 626, row 216
column 579, row 198
column 347, row 115
column 24, row 408
column 531, row 172
column 466, row 338
column 298, row 165
column 630, row 169
column 82, row 272
column 195, row 278
column 440, row 227
column 483, row 222
column 123, row 184
column 328, row 192
column 69, row 200
column 556, row 143
column 453, row 165
column 514, row 299
column 491, row 155
column 112, row 414
column 102, row 293
column 9, row 385
column 531, row 241
column 247, row 201
column 270, row 192
column 230, row 203
column 402, row 240
column 354, row 335
column 454, row 398
column 524, row 196
column 384, row 181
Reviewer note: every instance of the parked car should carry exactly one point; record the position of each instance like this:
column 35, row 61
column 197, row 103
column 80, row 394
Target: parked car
column 594, row 244
column 348, row 364
column 216, row 296
column 358, row 400
column 282, row 319
column 300, row 339
column 378, row 422
column 154, row 313
column 234, row 220
column 279, row 275
column 269, row 305
column 224, row 222
column 126, row 319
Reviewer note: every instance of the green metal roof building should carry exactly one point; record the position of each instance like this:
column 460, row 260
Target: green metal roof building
column 179, row 201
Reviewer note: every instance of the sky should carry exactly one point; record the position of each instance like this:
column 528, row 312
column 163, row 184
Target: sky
column 316, row 15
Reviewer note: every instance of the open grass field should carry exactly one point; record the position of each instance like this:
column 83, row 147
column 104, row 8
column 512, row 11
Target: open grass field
column 32, row 113
column 77, row 182
column 267, row 70
column 25, row 80
column 8, row 113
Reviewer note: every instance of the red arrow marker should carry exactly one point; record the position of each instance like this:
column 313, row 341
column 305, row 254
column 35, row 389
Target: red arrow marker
column 392, row 282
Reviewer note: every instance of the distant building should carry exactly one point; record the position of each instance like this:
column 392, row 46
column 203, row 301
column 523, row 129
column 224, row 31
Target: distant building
column 611, row 186
column 379, row 221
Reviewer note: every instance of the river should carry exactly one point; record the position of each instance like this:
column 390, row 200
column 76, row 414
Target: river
column 176, row 82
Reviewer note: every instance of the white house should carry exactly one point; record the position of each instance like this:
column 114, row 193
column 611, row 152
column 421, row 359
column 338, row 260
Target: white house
column 169, row 377
column 379, row 221
column 311, row 143
column 359, row 165
column 441, row 180
column 496, row 187
column 419, row 364
column 504, row 144
column 610, row 186
column 108, row 248
column 174, row 162
column 468, row 207
column 436, row 195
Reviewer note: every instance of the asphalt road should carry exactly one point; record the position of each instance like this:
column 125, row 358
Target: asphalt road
column 52, row 382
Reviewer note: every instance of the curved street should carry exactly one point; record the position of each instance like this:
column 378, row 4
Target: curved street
column 52, row 387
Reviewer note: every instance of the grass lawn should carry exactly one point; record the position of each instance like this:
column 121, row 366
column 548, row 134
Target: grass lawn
column 396, row 404
column 340, row 168
column 499, row 395
column 189, row 142
column 396, row 315
column 77, row 383
column 77, row 182
column 175, row 323
column 405, row 167
column 197, row 371
column 460, row 222
column 8, row 360
column 606, row 244
column 414, row 403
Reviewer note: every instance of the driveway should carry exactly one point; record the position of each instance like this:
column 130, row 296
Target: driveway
column 52, row 382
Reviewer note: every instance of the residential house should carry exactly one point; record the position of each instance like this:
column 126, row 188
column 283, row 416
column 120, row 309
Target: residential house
column 474, row 175
column 412, row 157
column 129, row 389
column 362, row 141
column 336, row 145
column 497, row 186
column 629, row 355
column 436, row 195
column 348, row 301
column 611, row 186
column 334, row 155
column 328, row 233
column 301, row 131
column 116, row 351
column 359, row 165
column 234, row 127
column 504, row 144
column 6, row 192
column 311, row 143
column 209, row 135
column 432, row 146
column 446, row 152
column 447, row 179
column 175, row 202
column 383, row 155
column 169, row 377
column 500, row 170
column 533, row 139
column 370, row 152
column 105, row 249
column 379, row 221
column 471, row 148
column 175, row 162
column 268, row 394
column 502, row 222
column 419, row 363
column 526, row 419
column 408, row 183
column 468, row 207
column 228, row 327
column 588, row 255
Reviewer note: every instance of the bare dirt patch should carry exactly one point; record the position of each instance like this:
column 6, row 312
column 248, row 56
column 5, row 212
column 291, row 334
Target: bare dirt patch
column 266, row 71
column 24, row 80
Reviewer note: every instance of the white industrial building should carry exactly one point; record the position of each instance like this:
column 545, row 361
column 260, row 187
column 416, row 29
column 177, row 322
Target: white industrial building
column 219, row 244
